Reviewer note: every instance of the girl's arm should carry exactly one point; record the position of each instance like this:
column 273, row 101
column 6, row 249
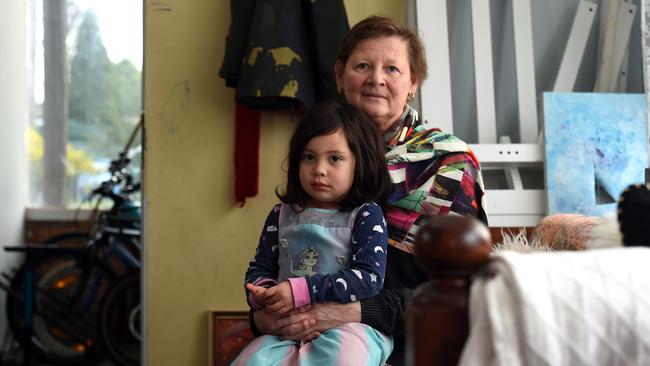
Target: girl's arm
column 263, row 269
column 365, row 275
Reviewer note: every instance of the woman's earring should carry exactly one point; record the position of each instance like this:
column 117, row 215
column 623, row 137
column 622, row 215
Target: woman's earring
column 339, row 90
column 410, row 97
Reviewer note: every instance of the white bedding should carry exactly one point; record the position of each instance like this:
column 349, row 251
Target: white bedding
column 562, row 308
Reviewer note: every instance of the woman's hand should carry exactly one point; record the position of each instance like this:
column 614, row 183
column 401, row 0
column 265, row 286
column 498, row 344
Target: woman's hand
column 287, row 325
column 308, row 322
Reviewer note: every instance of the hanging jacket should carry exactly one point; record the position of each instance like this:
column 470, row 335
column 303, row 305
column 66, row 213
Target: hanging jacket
column 281, row 53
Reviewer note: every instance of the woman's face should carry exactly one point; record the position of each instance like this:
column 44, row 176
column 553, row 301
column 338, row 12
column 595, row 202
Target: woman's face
column 377, row 79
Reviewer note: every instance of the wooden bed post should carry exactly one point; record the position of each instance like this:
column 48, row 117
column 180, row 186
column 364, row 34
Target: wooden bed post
column 450, row 248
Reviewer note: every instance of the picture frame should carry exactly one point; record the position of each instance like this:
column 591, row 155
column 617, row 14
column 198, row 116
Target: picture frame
column 229, row 333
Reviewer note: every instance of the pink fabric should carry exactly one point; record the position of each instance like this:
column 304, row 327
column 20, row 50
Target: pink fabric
column 348, row 344
column 248, row 353
column 356, row 352
column 401, row 218
column 351, row 344
column 300, row 292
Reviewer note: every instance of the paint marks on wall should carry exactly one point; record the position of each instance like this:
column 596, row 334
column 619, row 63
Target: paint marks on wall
column 176, row 107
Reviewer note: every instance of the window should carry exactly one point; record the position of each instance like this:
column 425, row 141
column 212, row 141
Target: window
column 86, row 77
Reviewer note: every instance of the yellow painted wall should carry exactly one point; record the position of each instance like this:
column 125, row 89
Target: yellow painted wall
column 198, row 242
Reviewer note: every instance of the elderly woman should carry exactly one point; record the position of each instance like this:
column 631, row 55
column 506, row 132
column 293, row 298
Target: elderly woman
column 378, row 69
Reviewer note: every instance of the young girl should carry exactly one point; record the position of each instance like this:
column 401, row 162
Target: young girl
column 326, row 241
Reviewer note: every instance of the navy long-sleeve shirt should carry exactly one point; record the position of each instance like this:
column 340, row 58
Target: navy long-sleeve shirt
column 361, row 272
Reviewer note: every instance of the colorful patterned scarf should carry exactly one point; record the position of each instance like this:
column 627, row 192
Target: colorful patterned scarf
column 433, row 173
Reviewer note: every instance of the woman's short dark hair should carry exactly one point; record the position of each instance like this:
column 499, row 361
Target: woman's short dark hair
column 371, row 178
column 378, row 27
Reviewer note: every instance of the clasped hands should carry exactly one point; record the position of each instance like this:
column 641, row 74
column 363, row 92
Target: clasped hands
column 303, row 324
column 277, row 299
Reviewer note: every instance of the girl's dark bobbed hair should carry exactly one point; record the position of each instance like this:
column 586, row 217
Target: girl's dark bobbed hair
column 371, row 178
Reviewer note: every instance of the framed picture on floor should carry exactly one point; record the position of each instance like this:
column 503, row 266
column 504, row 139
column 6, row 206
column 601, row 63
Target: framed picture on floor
column 229, row 334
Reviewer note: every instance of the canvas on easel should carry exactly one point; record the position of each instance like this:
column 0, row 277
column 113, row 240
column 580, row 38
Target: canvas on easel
column 595, row 146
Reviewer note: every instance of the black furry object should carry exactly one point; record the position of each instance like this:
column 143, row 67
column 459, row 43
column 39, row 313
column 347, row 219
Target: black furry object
column 634, row 215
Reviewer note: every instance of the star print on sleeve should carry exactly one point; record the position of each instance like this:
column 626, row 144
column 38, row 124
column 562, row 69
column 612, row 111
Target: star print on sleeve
column 263, row 268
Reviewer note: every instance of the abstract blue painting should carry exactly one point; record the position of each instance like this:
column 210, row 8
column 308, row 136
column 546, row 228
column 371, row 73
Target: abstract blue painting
column 596, row 145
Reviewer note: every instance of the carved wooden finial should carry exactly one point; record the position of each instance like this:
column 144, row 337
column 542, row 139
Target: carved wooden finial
column 449, row 248
column 452, row 243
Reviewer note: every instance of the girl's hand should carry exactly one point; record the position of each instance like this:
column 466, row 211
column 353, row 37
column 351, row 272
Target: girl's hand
column 259, row 293
column 279, row 298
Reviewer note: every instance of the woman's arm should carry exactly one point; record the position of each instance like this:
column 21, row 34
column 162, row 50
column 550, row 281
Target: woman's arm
column 385, row 312
column 305, row 323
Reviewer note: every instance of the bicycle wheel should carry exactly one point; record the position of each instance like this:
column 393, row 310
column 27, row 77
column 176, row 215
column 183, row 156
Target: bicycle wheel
column 59, row 335
column 120, row 321
column 63, row 331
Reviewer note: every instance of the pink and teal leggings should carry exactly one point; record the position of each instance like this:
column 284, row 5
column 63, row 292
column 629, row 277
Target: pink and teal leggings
column 349, row 344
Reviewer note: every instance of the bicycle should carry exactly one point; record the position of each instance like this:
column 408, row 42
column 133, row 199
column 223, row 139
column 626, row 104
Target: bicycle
column 120, row 321
column 68, row 283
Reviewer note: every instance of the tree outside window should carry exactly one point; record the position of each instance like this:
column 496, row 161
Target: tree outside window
column 86, row 100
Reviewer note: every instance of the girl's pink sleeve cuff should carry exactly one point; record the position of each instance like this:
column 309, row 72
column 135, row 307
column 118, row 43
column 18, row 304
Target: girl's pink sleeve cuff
column 300, row 292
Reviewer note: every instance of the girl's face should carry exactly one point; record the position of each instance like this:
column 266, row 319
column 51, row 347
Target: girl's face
column 327, row 169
